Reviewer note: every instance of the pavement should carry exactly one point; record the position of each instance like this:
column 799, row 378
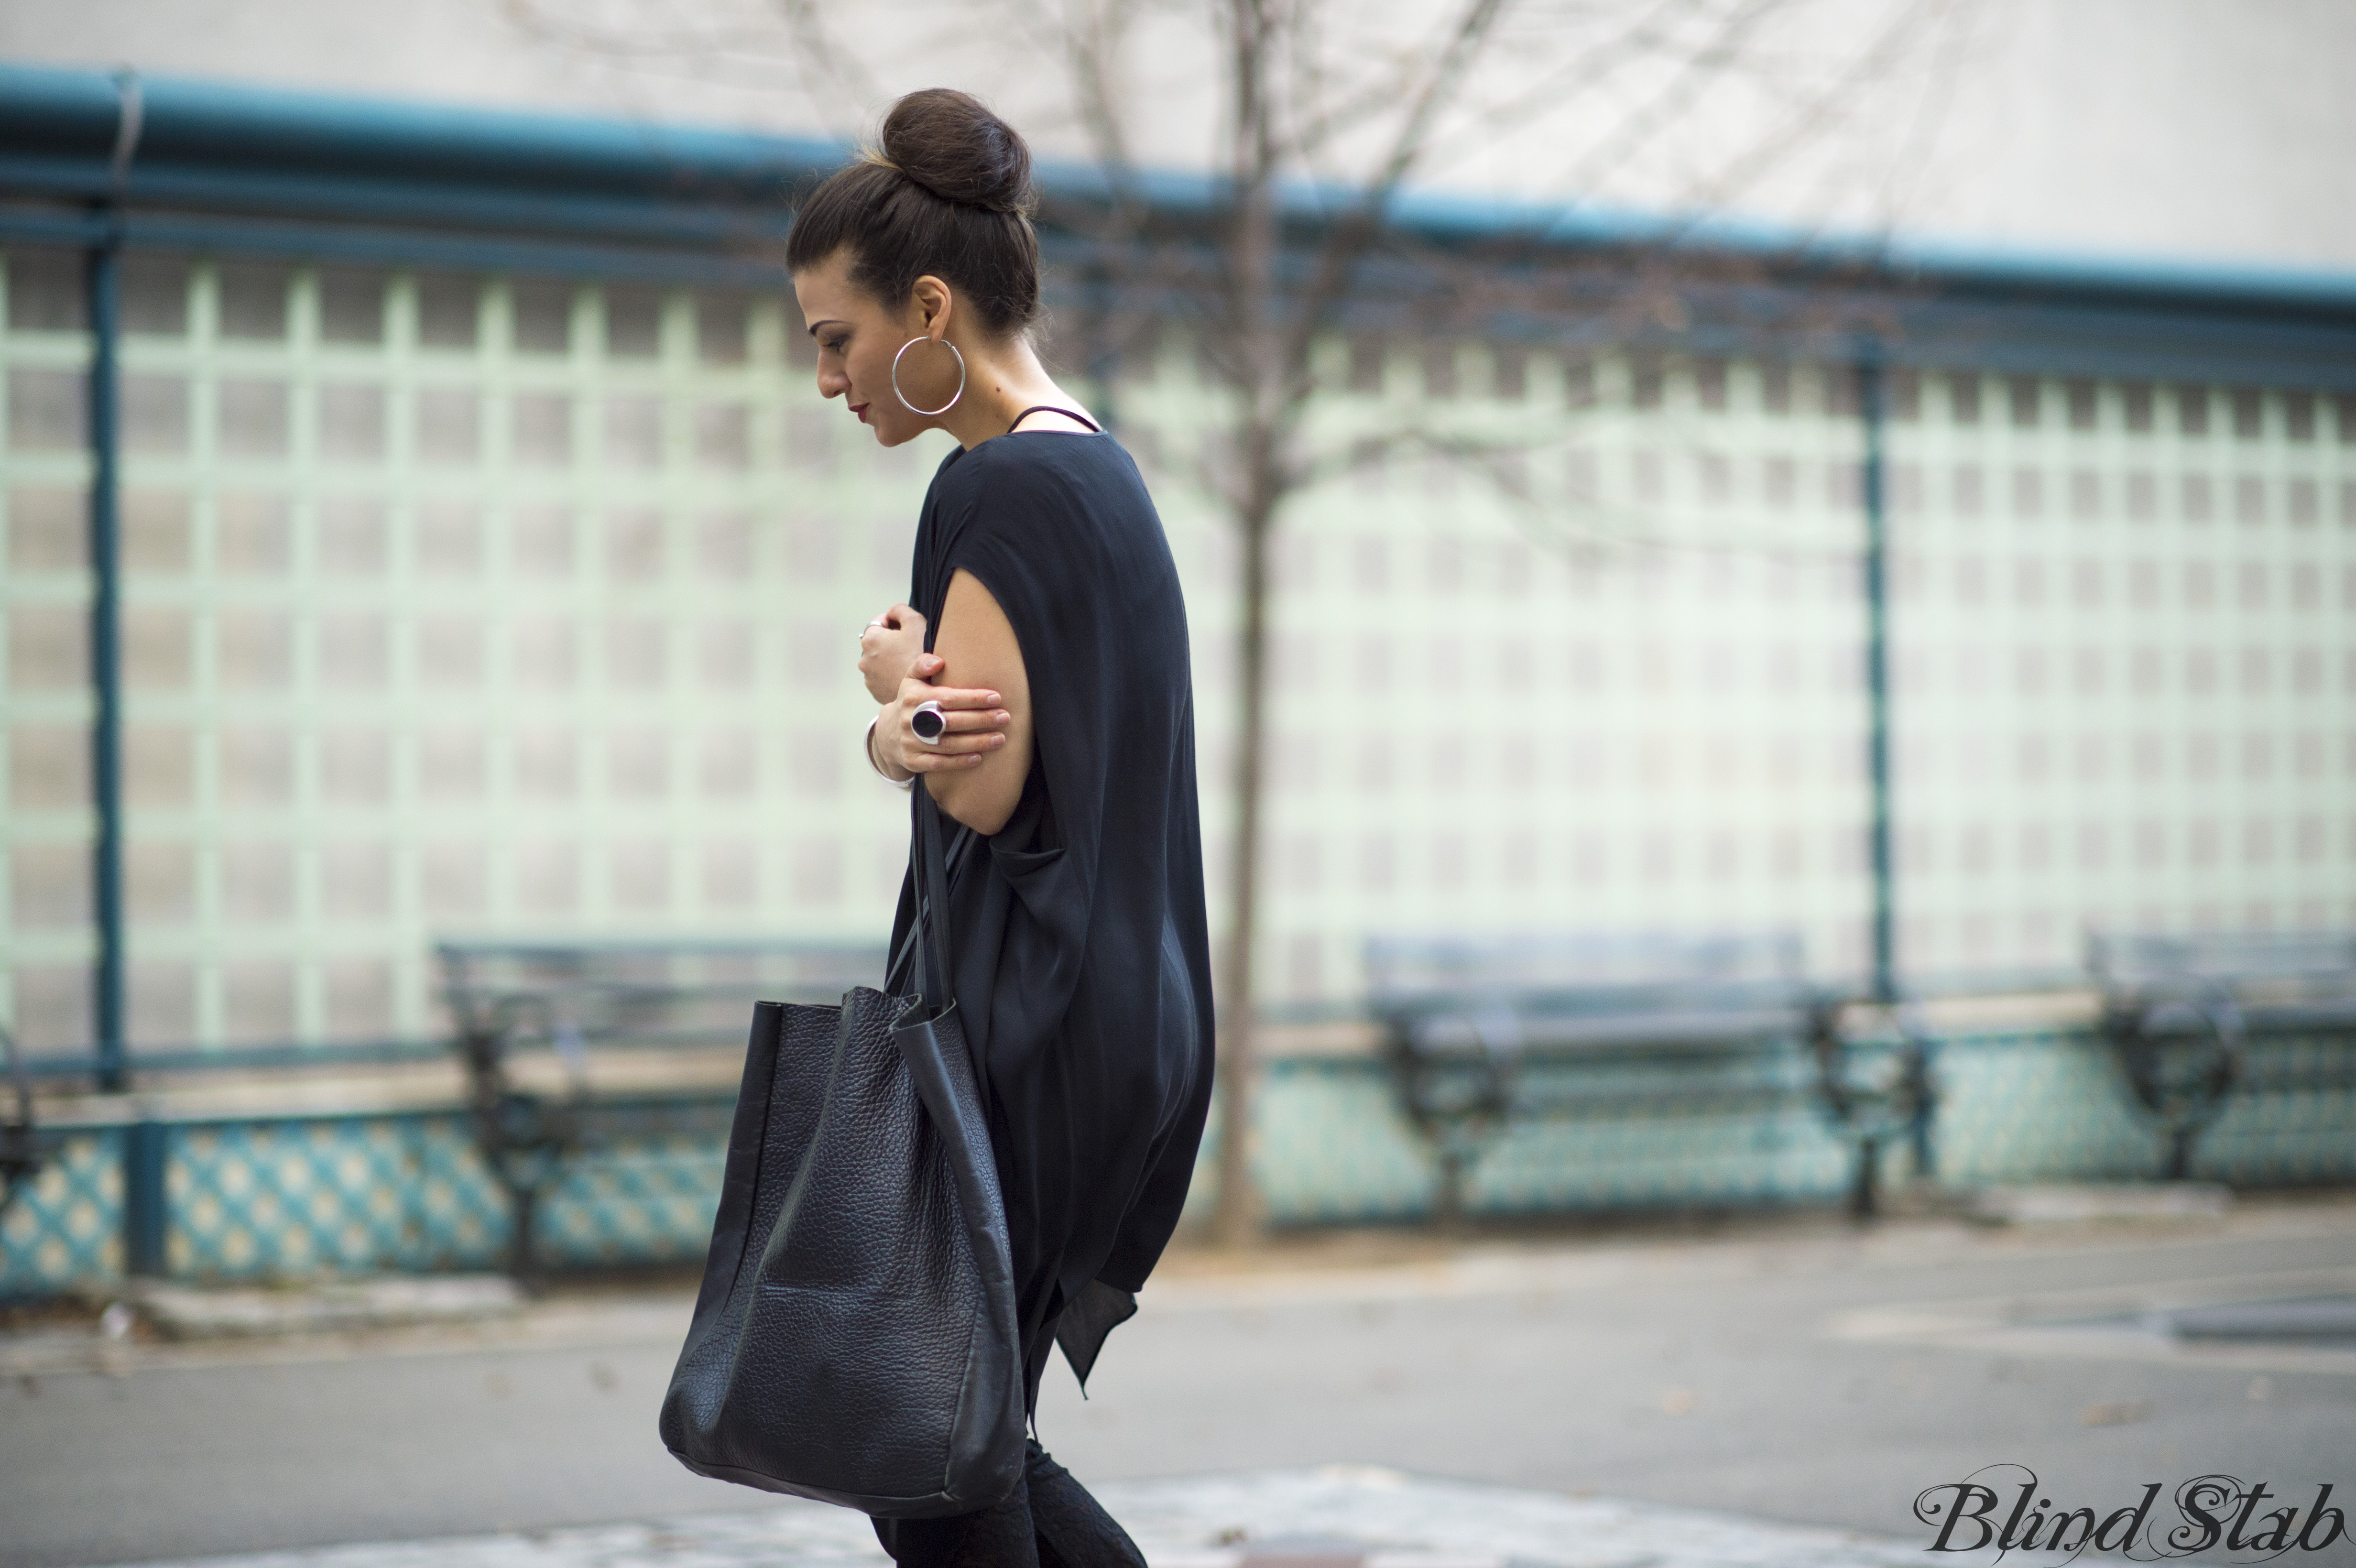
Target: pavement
column 1332, row 1517
column 1771, row 1391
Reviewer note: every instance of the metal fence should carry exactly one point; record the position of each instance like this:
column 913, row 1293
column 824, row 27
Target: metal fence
column 411, row 531
column 288, row 1194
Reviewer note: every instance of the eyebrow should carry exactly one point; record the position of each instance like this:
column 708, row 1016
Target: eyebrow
column 829, row 322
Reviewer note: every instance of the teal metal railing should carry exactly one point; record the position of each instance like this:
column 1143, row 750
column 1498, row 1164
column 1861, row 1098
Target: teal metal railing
column 269, row 1196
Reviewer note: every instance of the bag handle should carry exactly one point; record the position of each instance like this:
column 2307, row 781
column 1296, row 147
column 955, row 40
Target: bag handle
column 929, row 933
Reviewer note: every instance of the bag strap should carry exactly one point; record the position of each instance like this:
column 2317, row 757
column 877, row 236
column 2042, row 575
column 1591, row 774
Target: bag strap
column 931, row 931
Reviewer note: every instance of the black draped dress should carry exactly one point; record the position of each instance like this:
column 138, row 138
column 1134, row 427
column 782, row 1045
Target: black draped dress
column 1077, row 931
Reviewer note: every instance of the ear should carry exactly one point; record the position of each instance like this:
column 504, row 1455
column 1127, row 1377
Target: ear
column 933, row 301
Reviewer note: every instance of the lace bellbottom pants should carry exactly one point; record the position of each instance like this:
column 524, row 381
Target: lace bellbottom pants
column 1048, row 1521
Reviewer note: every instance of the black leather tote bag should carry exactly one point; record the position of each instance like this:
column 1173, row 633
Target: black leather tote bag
column 854, row 1340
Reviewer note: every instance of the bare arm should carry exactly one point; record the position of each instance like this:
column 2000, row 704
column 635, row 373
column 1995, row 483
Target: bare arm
column 978, row 645
column 975, row 672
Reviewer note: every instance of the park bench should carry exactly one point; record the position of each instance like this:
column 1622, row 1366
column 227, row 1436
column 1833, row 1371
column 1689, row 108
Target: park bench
column 2193, row 1020
column 574, row 1050
column 1482, row 1034
column 25, row 1145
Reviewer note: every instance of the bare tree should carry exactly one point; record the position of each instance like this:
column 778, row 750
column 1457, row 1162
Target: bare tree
column 1316, row 119
column 1299, row 110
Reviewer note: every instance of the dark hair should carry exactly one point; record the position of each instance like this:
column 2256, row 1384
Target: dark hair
column 948, row 191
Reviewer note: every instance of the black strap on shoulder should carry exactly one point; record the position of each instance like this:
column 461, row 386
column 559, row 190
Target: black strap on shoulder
column 1052, row 408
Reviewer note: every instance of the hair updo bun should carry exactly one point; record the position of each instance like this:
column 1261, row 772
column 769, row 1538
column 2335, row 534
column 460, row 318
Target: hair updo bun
column 947, row 192
column 946, row 142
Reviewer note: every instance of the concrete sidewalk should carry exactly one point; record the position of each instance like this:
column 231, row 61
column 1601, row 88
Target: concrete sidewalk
column 1336, row 1517
column 1769, row 1393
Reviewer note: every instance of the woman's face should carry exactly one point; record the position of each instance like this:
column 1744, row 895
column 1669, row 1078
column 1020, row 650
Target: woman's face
column 857, row 336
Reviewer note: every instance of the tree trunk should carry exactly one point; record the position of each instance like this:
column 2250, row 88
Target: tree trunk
column 1254, row 493
column 1236, row 1220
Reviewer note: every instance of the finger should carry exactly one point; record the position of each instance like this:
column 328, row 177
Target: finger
column 967, row 720
column 965, row 745
column 972, row 738
column 959, row 697
column 943, row 762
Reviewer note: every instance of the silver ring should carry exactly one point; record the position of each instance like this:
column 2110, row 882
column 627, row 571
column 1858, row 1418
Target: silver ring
column 929, row 734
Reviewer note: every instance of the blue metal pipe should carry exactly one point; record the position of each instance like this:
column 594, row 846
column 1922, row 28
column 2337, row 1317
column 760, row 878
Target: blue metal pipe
column 72, row 116
column 298, row 192
column 1871, row 396
column 105, row 276
column 749, row 268
column 362, row 159
column 146, row 1199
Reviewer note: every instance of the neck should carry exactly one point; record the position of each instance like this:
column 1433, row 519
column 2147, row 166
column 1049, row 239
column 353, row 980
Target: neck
column 1001, row 382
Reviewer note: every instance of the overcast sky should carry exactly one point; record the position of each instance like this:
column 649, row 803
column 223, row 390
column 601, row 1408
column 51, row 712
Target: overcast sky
column 2197, row 130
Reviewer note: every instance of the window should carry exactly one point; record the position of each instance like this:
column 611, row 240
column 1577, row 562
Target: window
column 449, row 424
column 254, row 417
column 351, row 423
column 154, row 295
column 1963, row 399
column 543, row 318
column 2083, row 405
column 2197, row 494
column 543, row 429
column 1647, row 381
column 1440, row 369
column 2022, row 393
column 2135, row 401
column 633, row 323
column 1905, row 392
column 722, row 329
column 2192, row 410
column 351, row 307
column 45, row 291
column 1579, row 390
column 2298, row 415
column 1510, row 363
column 448, row 312
column 1709, row 384
column 154, row 415
column 1839, row 385
column 2249, row 413
column 633, row 432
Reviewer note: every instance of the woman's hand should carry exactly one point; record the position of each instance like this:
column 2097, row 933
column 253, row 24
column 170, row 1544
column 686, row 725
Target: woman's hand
column 977, row 724
column 888, row 650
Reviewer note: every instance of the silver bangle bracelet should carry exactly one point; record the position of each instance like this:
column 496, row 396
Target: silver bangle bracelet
column 868, row 746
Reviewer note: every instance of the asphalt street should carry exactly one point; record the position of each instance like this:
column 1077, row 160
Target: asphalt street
column 1790, row 1369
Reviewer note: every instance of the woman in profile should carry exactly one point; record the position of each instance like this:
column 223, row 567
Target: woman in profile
column 1044, row 625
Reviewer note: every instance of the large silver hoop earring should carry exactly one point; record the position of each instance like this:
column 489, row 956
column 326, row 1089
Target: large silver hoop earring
column 927, row 413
